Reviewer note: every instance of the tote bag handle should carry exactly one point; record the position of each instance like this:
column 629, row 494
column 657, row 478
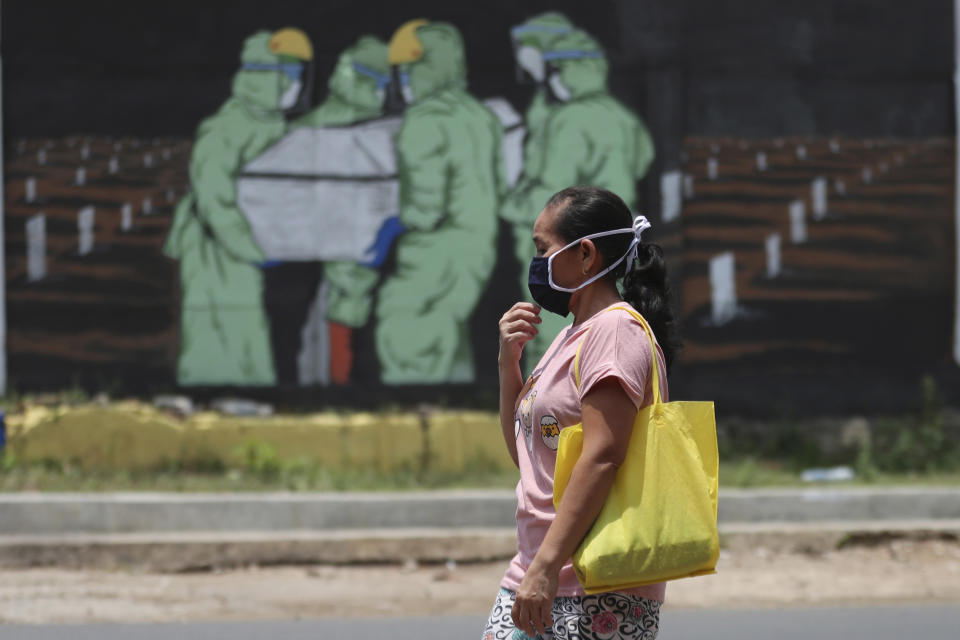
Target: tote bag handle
column 654, row 360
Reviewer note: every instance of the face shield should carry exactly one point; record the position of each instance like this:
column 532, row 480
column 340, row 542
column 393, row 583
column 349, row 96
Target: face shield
column 399, row 92
column 528, row 52
column 382, row 80
column 558, row 91
column 296, row 87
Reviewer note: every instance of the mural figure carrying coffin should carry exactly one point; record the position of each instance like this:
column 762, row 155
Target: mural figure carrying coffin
column 224, row 332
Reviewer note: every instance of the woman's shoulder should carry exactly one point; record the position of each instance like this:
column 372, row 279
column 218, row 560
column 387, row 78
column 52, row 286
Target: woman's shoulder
column 614, row 330
column 617, row 346
column 616, row 319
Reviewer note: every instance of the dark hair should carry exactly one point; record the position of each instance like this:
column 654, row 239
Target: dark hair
column 587, row 210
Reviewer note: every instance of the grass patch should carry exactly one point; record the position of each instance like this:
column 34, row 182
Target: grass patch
column 756, row 473
column 263, row 472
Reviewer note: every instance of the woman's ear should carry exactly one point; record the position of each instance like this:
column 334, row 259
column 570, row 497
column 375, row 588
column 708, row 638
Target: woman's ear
column 588, row 255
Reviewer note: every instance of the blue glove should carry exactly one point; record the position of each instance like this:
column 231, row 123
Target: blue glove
column 377, row 252
column 267, row 264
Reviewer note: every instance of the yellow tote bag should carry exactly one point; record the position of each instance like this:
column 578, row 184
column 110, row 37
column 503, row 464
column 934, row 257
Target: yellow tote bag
column 659, row 521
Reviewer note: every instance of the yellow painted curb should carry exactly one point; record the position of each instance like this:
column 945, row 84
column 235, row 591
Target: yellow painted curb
column 132, row 436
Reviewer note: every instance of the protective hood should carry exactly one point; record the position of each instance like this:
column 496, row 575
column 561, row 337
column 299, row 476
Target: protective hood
column 264, row 76
column 362, row 74
column 540, row 30
column 578, row 62
column 442, row 64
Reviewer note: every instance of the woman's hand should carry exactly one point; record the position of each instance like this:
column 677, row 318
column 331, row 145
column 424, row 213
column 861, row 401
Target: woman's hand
column 517, row 327
column 533, row 609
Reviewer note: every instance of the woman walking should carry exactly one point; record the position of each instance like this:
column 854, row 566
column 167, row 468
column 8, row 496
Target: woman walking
column 587, row 242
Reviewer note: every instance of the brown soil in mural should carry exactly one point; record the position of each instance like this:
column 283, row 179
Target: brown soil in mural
column 898, row 571
column 857, row 251
column 108, row 316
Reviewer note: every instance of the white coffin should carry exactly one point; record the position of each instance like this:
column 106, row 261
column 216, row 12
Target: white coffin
column 323, row 193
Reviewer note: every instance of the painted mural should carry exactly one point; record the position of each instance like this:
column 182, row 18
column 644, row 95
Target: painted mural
column 348, row 182
column 355, row 217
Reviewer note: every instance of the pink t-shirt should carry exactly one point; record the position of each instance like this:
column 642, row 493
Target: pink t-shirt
column 614, row 345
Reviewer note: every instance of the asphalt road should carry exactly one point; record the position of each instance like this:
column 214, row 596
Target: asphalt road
column 930, row 622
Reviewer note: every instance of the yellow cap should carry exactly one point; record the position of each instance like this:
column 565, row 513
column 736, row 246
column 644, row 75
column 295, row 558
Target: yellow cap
column 291, row 42
column 405, row 46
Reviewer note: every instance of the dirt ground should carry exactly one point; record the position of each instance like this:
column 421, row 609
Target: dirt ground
column 893, row 571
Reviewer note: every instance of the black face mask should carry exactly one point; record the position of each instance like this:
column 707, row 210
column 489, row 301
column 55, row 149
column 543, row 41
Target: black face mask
column 538, row 282
column 553, row 298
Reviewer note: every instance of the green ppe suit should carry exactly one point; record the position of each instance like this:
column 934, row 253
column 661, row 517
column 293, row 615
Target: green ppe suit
column 355, row 94
column 588, row 138
column 451, row 178
column 224, row 332
column 538, row 32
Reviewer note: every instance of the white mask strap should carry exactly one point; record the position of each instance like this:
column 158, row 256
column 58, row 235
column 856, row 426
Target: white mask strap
column 640, row 224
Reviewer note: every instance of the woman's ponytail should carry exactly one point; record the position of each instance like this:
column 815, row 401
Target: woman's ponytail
column 646, row 289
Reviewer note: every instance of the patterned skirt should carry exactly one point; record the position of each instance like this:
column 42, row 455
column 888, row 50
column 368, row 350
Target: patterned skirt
column 604, row 616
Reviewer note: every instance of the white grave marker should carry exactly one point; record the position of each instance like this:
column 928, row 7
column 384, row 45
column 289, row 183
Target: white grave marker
column 834, row 146
column 723, row 288
column 867, row 175
column 801, row 152
column 840, row 187
column 81, row 176
column 30, row 194
column 688, row 186
column 166, row 154
column 147, row 208
column 670, row 195
column 114, row 165
column 712, row 168
column 85, row 223
column 85, row 152
column 761, row 161
column 148, row 160
column 42, row 157
column 798, row 222
column 126, row 217
column 818, row 194
column 36, row 247
column 773, row 255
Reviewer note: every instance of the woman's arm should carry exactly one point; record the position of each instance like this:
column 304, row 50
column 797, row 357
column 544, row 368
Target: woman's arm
column 511, row 382
column 517, row 327
column 608, row 416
